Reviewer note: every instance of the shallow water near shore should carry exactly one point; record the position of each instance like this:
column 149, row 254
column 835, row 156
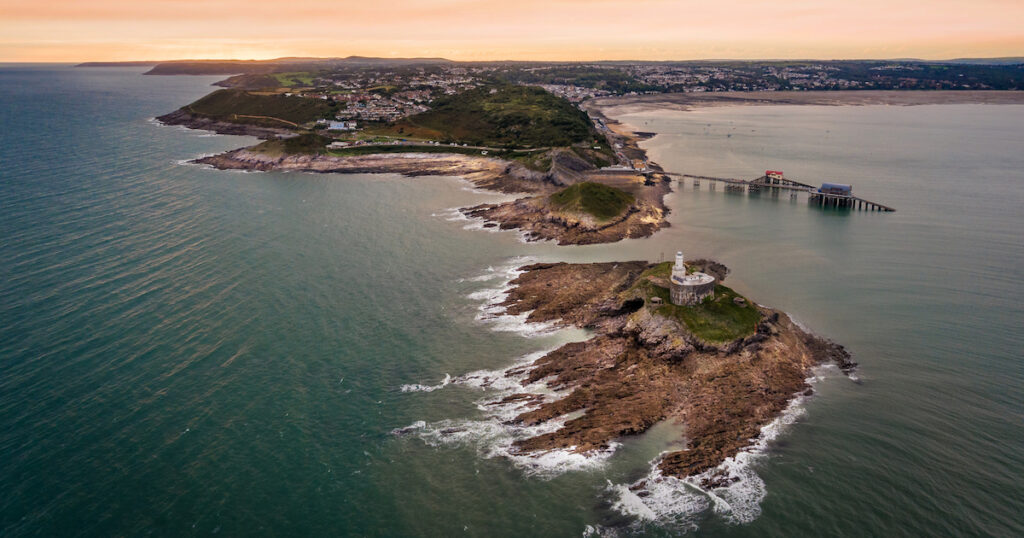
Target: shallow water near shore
column 191, row 351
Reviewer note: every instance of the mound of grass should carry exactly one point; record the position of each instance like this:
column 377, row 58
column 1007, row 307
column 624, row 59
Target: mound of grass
column 601, row 201
column 716, row 320
column 240, row 106
column 501, row 116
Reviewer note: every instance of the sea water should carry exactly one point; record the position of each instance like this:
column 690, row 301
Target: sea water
column 192, row 351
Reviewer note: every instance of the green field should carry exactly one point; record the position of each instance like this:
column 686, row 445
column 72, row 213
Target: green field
column 601, row 201
column 718, row 319
column 504, row 116
column 371, row 150
column 240, row 106
column 301, row 78
column 304, row 144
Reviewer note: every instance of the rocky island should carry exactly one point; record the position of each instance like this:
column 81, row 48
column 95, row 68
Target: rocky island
column 723, row 368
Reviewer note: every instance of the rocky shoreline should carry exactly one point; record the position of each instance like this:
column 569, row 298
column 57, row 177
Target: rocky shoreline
column 531, row 214
column 642, row 367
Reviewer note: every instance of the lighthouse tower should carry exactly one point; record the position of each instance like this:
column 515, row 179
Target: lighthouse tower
column 687, row 289
column 679, row 269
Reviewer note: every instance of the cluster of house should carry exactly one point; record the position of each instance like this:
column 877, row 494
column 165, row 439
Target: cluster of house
column 753, row 78
column 383, row 109
column 338, row 125
column 574, row 94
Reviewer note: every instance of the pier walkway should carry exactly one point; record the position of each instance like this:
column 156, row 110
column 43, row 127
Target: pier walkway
column 815, row 194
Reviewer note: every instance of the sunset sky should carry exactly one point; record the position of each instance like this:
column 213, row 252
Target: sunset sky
column 81, row 30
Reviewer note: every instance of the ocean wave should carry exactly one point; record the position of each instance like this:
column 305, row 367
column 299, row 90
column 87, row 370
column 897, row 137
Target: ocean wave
column 191, row 161
column 416, row 387
column 451, row 214
column 495, row 434
column 491, row 311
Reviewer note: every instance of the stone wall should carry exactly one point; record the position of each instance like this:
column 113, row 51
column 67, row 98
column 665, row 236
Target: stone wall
column 691, row 295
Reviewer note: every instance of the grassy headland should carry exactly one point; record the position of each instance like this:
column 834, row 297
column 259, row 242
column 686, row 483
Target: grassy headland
column 500, row 116
column 237, row 106
column 304, row 144
column 600, row 201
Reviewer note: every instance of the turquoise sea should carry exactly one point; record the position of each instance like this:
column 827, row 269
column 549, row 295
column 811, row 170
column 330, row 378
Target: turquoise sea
column 185, row 351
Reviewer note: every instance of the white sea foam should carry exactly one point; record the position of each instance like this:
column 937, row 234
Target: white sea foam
column 494, row 434
column 416, row 387
column 492, row 313
column 678, row 502
column 452, row 214
column 491, row 274
column 191, row 160
column 798, row 323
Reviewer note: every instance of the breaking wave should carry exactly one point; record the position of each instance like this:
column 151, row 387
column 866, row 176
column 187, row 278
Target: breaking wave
column 491, row 311
column 495, row 434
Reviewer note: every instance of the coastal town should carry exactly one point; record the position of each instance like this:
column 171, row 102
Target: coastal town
column 384, row 92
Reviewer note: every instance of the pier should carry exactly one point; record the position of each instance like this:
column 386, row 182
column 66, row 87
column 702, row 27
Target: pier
column 828, row 195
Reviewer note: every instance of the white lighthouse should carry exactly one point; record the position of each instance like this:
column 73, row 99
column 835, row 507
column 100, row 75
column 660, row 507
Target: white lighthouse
column 689, row 289
column 679, row 269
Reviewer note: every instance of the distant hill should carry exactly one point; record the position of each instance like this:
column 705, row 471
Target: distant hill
column 233, row 67
column 277, row 65
column 1009, row 60
column 505, row 115
column 117, row 64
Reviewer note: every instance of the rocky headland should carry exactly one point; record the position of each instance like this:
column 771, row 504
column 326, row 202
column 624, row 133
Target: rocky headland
column 723, row 369
column 194, row 121
column 534, row 214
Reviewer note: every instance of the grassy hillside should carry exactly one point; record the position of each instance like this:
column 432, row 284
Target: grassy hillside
column 718, row 319
column 601, row 201
column 243, row 107
column 505, row 116
column 304, row 144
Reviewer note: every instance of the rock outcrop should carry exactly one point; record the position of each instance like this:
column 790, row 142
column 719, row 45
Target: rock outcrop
column 642, row 367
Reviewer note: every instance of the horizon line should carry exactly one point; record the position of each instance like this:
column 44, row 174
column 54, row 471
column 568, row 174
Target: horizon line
column 507, row 60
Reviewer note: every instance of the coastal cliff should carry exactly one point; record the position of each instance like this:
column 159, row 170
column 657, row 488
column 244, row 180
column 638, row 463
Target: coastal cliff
column 724, row 369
